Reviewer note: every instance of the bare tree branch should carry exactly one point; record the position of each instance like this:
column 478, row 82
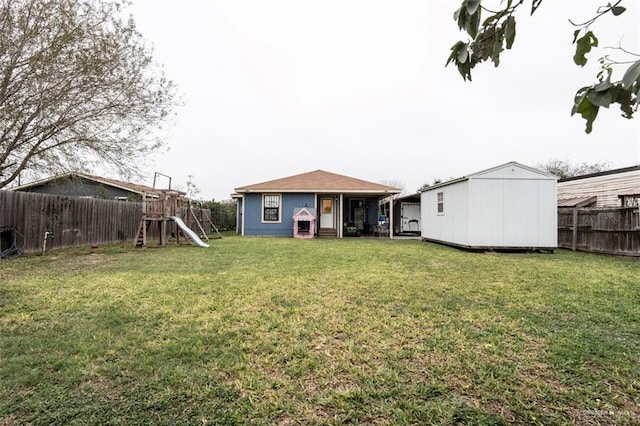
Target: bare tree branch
column 78, row 86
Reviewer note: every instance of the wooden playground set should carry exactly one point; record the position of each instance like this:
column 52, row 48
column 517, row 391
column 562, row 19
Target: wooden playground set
column 165, row 210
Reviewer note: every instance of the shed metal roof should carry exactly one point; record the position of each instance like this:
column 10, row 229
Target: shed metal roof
column 482, row 172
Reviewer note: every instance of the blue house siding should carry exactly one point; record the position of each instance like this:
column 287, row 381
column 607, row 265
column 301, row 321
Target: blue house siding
column 239, row 211
column 253, row 224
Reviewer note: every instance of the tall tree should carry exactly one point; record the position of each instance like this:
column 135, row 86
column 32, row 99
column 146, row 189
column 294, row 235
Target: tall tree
column 78, row 87
column 565, row 168
column 497, row 32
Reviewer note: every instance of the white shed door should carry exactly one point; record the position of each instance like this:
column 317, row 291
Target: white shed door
column 410, row 217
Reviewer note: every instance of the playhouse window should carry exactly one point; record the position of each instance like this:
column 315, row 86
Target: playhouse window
column 271, row 208
column 304, row 226
column 440, row 202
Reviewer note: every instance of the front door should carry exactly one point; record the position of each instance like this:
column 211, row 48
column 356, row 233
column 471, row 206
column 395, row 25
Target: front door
column 326, row 213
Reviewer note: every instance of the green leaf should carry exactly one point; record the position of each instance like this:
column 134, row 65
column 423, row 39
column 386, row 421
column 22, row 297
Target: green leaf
column 489, row 20
column 618, row 10
column 580, row 95
column 601, row 87
column 510, row 31
column 497, row 47
column 460, row 16
column 455, row 51
column 534, row 5
column 588, row 111
column 601, row 99
column 583, row 46
column 465, row 70
column 576, row 33
column 459, row 55
column 473, row 22
column 463, row 55
column 472, row 6
column 625, row 98
column 484, row 44
column 631, row 75
column 456, row 14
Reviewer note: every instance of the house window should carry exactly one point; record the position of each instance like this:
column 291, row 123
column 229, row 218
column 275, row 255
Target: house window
column 631, row 201
column 440, row 202
column 271, row 208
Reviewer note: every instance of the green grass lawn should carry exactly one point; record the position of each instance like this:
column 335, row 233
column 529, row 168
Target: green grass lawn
column 284, row 331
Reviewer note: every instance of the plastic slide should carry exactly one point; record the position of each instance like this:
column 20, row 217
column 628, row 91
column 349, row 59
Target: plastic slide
column 188, row 231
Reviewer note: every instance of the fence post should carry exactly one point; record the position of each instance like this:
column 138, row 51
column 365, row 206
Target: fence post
column 574, row 242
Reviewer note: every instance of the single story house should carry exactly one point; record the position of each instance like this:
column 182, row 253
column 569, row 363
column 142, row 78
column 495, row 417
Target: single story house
column 267, row 208
column 87, row 186
column 611, row 188
column 510, row 206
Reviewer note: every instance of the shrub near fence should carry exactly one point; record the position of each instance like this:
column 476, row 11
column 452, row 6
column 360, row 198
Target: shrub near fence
column 71, row 221
column 609, row 231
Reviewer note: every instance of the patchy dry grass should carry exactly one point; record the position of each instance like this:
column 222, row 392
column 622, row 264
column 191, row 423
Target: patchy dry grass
column 283, row 331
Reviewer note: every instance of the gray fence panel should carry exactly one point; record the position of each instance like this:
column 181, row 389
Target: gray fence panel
column 609, row 231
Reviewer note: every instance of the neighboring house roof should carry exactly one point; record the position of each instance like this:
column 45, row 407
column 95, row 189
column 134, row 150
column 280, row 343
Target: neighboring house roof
column 578, row 202
column 319, row 181
column 605, row 173
column 127, row 186
column 630, row 192
column 487, row 171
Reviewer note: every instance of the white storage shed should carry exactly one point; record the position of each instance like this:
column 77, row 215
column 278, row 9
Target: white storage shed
column 510, row 206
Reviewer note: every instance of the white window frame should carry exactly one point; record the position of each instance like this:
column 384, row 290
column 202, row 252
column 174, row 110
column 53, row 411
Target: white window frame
column 264, row 196
column 440, row 203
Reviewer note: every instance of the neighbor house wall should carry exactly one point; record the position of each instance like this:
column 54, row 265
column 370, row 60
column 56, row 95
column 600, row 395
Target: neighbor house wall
column 605, row 187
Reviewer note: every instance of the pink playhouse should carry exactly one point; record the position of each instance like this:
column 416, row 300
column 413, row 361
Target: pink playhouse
column 304, row 222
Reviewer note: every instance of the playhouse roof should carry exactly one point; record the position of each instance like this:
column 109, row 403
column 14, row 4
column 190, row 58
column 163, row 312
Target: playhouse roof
column 304, row 212
column 319, row 181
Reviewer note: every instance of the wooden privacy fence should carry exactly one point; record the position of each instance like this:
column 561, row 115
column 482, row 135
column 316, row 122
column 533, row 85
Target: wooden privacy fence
column 609, row 231
column 196, row 218
column 72, row 221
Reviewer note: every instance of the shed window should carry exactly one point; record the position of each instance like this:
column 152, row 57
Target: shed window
column 271, row 208
column 440, row 202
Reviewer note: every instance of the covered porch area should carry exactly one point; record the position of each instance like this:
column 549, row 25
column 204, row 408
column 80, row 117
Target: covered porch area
column 353, row 215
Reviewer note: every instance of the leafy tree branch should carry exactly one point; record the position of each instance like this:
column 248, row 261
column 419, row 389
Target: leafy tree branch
column 496, row 33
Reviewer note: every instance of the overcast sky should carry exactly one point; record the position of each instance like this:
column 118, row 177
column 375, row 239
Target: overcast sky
column 359, row 87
